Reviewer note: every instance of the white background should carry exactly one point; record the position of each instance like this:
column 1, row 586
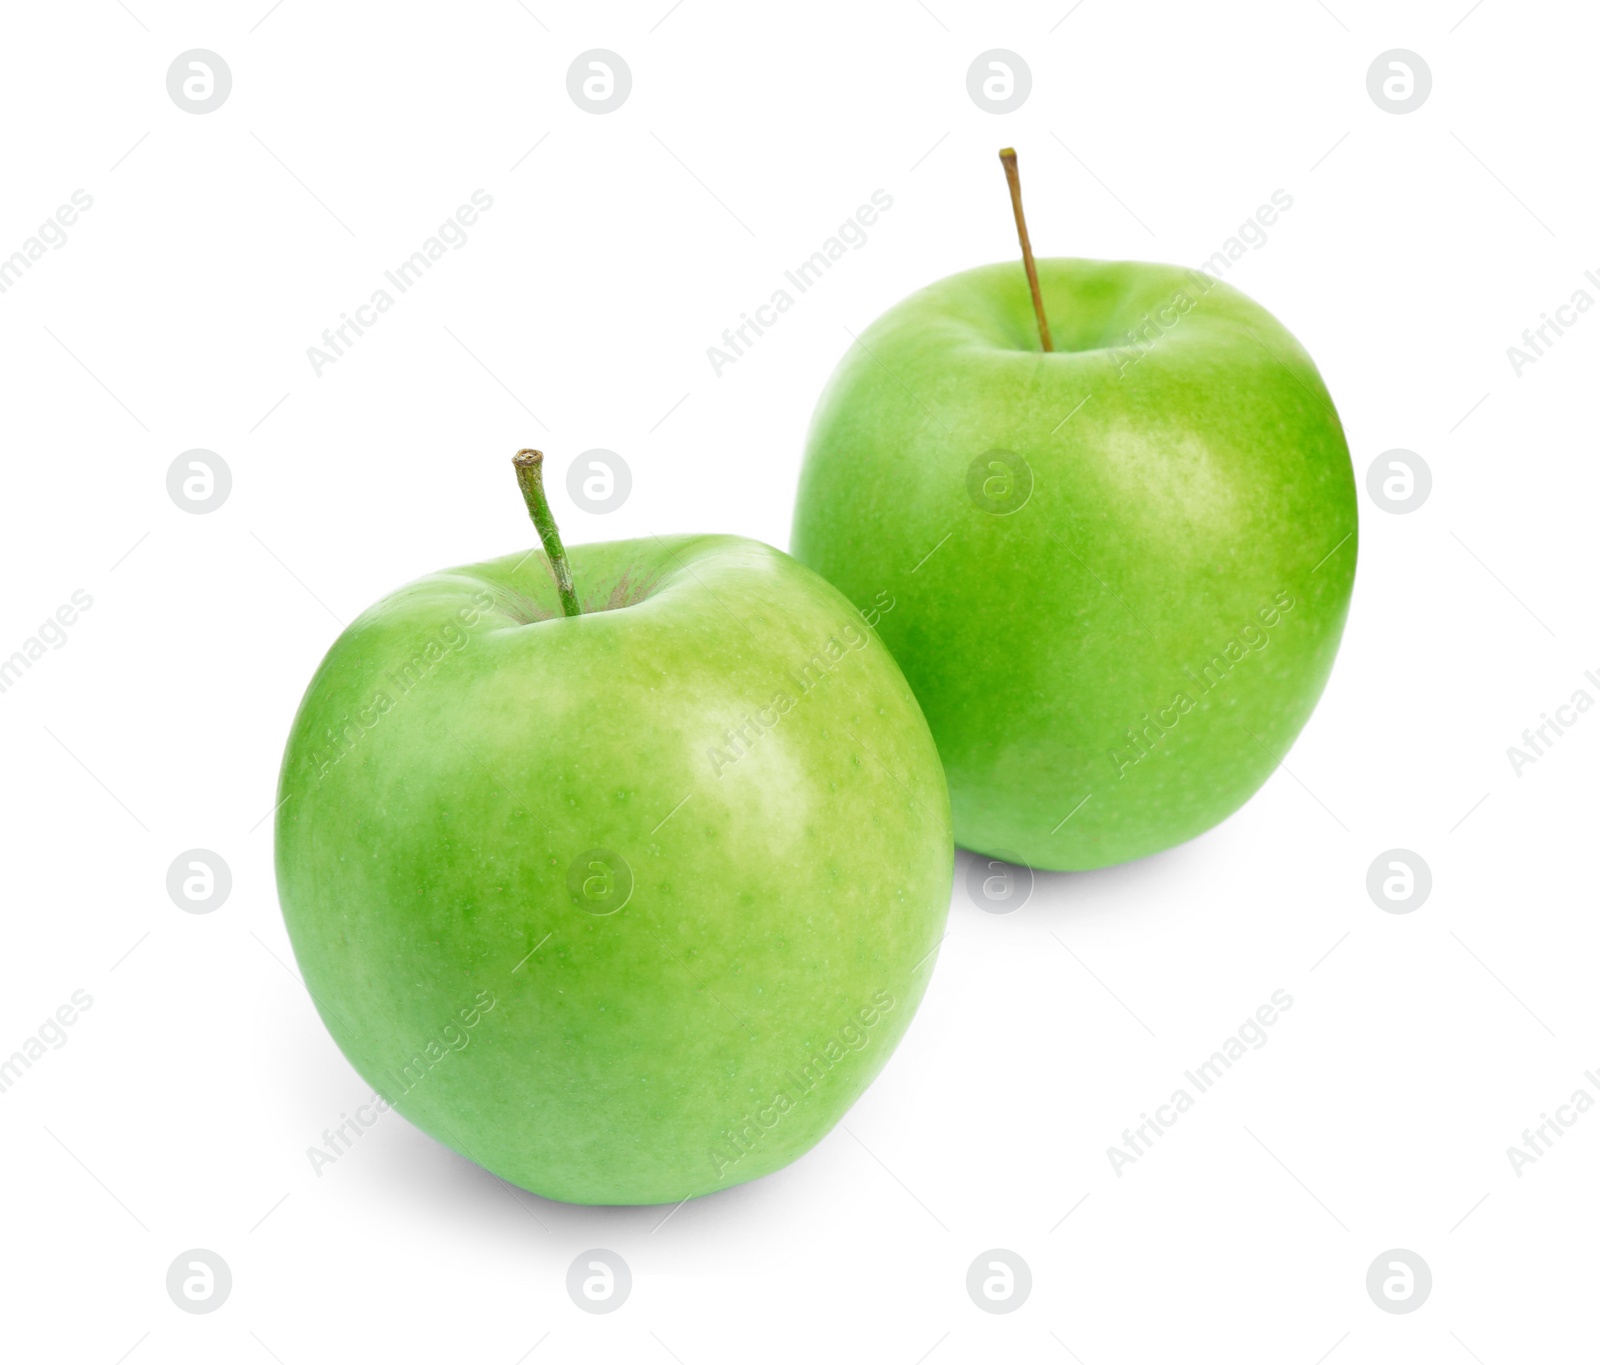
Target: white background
column 177, row 315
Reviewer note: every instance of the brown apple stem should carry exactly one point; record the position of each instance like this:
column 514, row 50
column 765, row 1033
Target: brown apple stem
column 1008, row 159
column 530, row 478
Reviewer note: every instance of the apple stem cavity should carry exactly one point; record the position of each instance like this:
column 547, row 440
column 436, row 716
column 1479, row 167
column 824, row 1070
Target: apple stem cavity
column 530, row 478
column 1008, row 159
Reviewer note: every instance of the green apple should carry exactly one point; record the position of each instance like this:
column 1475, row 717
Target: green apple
column 1121, row 568
column 625, row 892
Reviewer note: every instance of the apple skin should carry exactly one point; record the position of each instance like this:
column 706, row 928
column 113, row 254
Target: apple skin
column 784, row 912
column 1183, row 488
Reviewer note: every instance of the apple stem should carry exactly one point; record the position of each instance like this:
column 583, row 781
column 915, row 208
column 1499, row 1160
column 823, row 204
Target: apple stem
column 1008, row 159
column 530, row 478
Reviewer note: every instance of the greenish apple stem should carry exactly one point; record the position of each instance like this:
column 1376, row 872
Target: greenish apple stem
column 530, row 478
column 1008, row 159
